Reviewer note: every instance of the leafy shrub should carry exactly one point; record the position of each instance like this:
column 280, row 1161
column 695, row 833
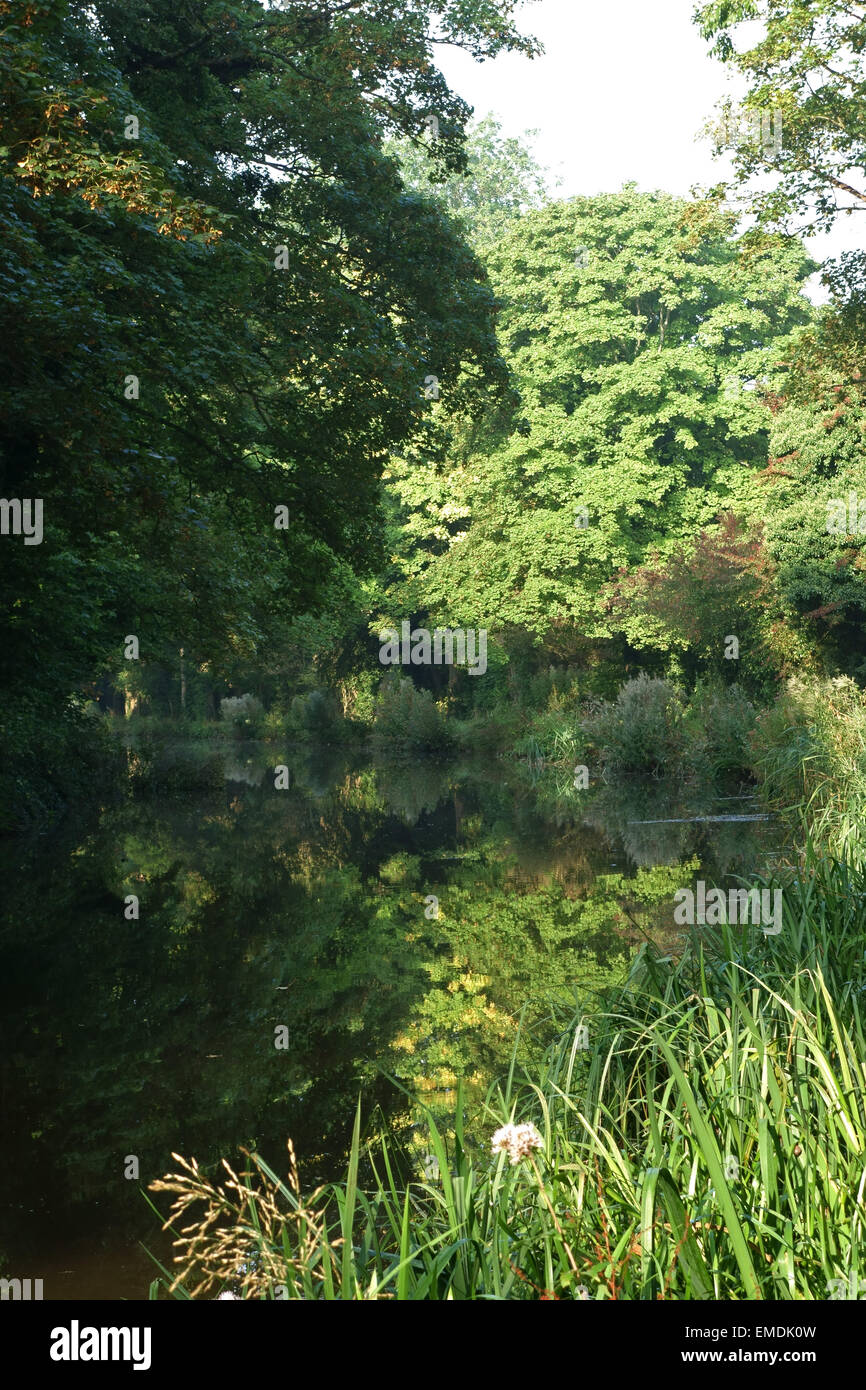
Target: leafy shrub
column 243, row 711
column 317, row 715
column 401, row 868
column 555, row 688
column 487, row 733
column 723, row 719
column 359, row 695
column 275, row 724
column 642, row 730
column 408, row 717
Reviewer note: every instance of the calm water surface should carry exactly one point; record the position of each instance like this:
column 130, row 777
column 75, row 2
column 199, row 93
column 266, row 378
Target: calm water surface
column 306, row 916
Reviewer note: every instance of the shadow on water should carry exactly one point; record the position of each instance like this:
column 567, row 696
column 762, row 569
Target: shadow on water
column 293, row 948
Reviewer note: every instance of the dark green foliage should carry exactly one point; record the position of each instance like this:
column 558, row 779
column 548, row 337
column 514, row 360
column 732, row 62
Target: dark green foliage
column 643, row 730
column 407, row 718
column 157, row 257
column 726, row 719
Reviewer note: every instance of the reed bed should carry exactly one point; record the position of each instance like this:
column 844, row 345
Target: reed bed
column 700, row 1135
column 809, row 755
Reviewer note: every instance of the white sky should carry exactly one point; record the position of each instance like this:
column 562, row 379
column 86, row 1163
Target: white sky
column 619, row 94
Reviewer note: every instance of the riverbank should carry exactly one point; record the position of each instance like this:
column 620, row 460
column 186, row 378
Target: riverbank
column 803, row 754
column 697, row 1133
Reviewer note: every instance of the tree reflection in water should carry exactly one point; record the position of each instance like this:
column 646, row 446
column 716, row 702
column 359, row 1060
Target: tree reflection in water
column 301, row 909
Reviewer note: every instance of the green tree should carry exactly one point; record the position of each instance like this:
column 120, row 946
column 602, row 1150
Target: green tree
column 806, row 70
column 807, row 86
column 219, row 298
column 642, row 332
column 502, row 179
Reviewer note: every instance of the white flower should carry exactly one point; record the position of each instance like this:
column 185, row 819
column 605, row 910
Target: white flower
column 229, row 1295
column 517, row 1141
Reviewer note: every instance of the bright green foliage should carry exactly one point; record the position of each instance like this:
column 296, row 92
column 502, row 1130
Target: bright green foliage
column 807, row 64
column 816, row 477
column 806, row 69
column 701, row 1135
column 641, row 331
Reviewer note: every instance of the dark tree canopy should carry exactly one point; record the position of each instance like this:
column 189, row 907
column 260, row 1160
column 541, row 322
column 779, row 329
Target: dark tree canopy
column 218, row 298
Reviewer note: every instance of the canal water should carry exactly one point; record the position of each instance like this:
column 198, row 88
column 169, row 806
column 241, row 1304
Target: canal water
column 214, row 963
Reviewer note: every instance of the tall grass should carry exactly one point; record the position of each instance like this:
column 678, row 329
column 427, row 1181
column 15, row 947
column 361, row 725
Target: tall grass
column 809, row 752
column 708, row 1142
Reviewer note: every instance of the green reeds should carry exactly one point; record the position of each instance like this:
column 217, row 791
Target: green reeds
column 809, row 753
column 705, row 1139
